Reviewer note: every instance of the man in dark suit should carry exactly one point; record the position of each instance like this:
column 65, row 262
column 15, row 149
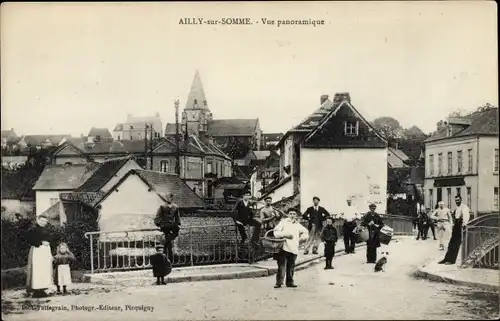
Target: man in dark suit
column 316, row 215
column 244, row 217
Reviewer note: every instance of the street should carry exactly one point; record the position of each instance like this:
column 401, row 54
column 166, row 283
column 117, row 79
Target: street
column 351, row 291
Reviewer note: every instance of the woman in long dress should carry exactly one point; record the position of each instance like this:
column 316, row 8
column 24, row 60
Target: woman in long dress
column 39, row 270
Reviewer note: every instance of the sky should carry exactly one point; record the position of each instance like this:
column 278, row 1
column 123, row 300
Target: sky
column 66, row 67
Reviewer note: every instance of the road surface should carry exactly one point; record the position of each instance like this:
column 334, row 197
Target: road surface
column 351, row 291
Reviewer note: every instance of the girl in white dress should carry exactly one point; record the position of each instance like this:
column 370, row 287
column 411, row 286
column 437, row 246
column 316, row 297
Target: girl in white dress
column 62, row 260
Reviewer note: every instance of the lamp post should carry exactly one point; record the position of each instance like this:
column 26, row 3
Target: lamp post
column 178, row 154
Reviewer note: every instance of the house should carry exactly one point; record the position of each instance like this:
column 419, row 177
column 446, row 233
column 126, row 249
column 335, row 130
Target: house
column 9, row 138
column 133, row 200
column 267, row 170
column 270, row 141
column 89, row 177
column 235, row 137
column 99, row 135
column 134, row 127
column 334, row 154
column 201, row 162
column 41, row 141
column 462, row 159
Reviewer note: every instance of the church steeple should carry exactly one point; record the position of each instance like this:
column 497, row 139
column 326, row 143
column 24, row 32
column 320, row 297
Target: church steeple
column 196, row 98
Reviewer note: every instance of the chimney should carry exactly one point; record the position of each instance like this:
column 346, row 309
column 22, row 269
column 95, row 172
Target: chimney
column 157, row 115
column 323, row 98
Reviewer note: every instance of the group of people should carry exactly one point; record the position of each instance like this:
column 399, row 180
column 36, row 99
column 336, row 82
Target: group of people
column 320, row 227
column 45, row 270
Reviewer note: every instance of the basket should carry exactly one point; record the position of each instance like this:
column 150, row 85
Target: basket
column 362, row 235
column 386, row 233
column 271, row 244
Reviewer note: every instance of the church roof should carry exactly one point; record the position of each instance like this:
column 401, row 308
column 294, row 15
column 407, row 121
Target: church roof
column 196, row 97
column 232, row 127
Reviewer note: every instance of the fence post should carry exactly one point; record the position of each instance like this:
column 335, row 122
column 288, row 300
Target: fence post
column 91, row 255
column 236, row 244
column 191, row 245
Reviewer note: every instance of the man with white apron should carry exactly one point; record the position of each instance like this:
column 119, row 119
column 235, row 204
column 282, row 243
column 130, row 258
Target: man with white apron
column 442, row 216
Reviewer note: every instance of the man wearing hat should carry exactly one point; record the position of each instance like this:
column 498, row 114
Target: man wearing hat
column 373, row 222
column 169, row 221
column 316, row 215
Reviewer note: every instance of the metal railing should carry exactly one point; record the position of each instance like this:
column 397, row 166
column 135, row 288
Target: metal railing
column 196, row 245
column 480, row 246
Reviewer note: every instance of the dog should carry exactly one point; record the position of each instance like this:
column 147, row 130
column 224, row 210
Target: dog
column 379, row 266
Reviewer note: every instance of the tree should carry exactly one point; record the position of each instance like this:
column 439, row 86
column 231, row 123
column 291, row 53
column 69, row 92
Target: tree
column 388, row 127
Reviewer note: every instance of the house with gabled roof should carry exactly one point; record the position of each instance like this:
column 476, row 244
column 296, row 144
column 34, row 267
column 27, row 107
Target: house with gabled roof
column 91, row 177
column 41, row 141
column 334, row 154
column 133, row 200
column 461, row 158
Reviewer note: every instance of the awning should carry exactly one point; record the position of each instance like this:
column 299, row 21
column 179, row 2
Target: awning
column 449, row 181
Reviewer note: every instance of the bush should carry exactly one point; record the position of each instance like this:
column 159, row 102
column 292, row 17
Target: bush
column 13, row 278
column 14, row 247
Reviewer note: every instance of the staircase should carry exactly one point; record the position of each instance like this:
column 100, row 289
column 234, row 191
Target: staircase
column 474, row 258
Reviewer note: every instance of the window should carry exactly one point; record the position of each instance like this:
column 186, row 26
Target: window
column 209, row 167
column 469, row 196
column 118, row 137
column 431, row 199
column 131, row 126
column 431, row 165
column 495, row 166
column 440, row 163
column 495, row 198
column 459, row 161
column 459, row 192
column 351, row 128
column 131, row 137
column 449, row 131
column 469, row 160
column 450, row 164
column 53, row 200
column 165, row 166
column 448, row 190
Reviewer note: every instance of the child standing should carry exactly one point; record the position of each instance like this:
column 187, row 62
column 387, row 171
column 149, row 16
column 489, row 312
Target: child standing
column 329, row 236
column 161, row 265
column 62, row 269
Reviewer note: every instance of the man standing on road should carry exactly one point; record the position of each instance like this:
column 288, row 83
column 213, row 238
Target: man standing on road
column 460, row 218
column 350, row 217
column 169, row 221
column 244, row 217
column 293, row 232
column 374, row 223
column 443, row 217
column 316, row 215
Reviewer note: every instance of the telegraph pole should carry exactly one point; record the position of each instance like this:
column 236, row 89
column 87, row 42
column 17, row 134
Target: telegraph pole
column 151, row 145
column 178, row 152
column 145, row 146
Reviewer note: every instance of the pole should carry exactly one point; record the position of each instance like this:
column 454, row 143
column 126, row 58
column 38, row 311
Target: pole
column 145, row 146
column 177, row 149
column 151, row 146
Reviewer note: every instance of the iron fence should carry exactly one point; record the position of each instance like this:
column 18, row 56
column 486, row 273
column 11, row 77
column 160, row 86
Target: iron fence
column 480, row 246
column 196, row 245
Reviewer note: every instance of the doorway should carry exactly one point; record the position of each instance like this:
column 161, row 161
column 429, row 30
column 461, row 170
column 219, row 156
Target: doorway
column 439, row 194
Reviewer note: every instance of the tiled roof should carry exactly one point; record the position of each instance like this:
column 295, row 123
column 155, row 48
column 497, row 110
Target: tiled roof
column 64, row 177
column 482, row 123
column 117, row 147
column 103, row 174
column 35, row 140
column 90, row 198
column 241, row 172
column 54, row 212
column 103, row 132
column 194, row 145
column 232, row 127
column 396, row 157
column 164, row 183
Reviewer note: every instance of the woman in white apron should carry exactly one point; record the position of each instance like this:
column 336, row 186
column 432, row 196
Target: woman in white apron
column 39, row 269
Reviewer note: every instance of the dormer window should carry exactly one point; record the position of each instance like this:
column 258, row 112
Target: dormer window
column 351, row 128
column 449, row 131
column 131, row 126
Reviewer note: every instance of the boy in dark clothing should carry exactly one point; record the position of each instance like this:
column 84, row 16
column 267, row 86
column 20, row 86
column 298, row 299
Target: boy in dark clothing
column 169, row 221
column 329, row 235
column 244, row 217
column 161, row 265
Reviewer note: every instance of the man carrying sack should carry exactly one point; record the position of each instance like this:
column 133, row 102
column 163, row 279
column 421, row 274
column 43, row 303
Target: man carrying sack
column 373, row 222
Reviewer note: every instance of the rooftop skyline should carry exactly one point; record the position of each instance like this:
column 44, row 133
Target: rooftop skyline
column 82, row 65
